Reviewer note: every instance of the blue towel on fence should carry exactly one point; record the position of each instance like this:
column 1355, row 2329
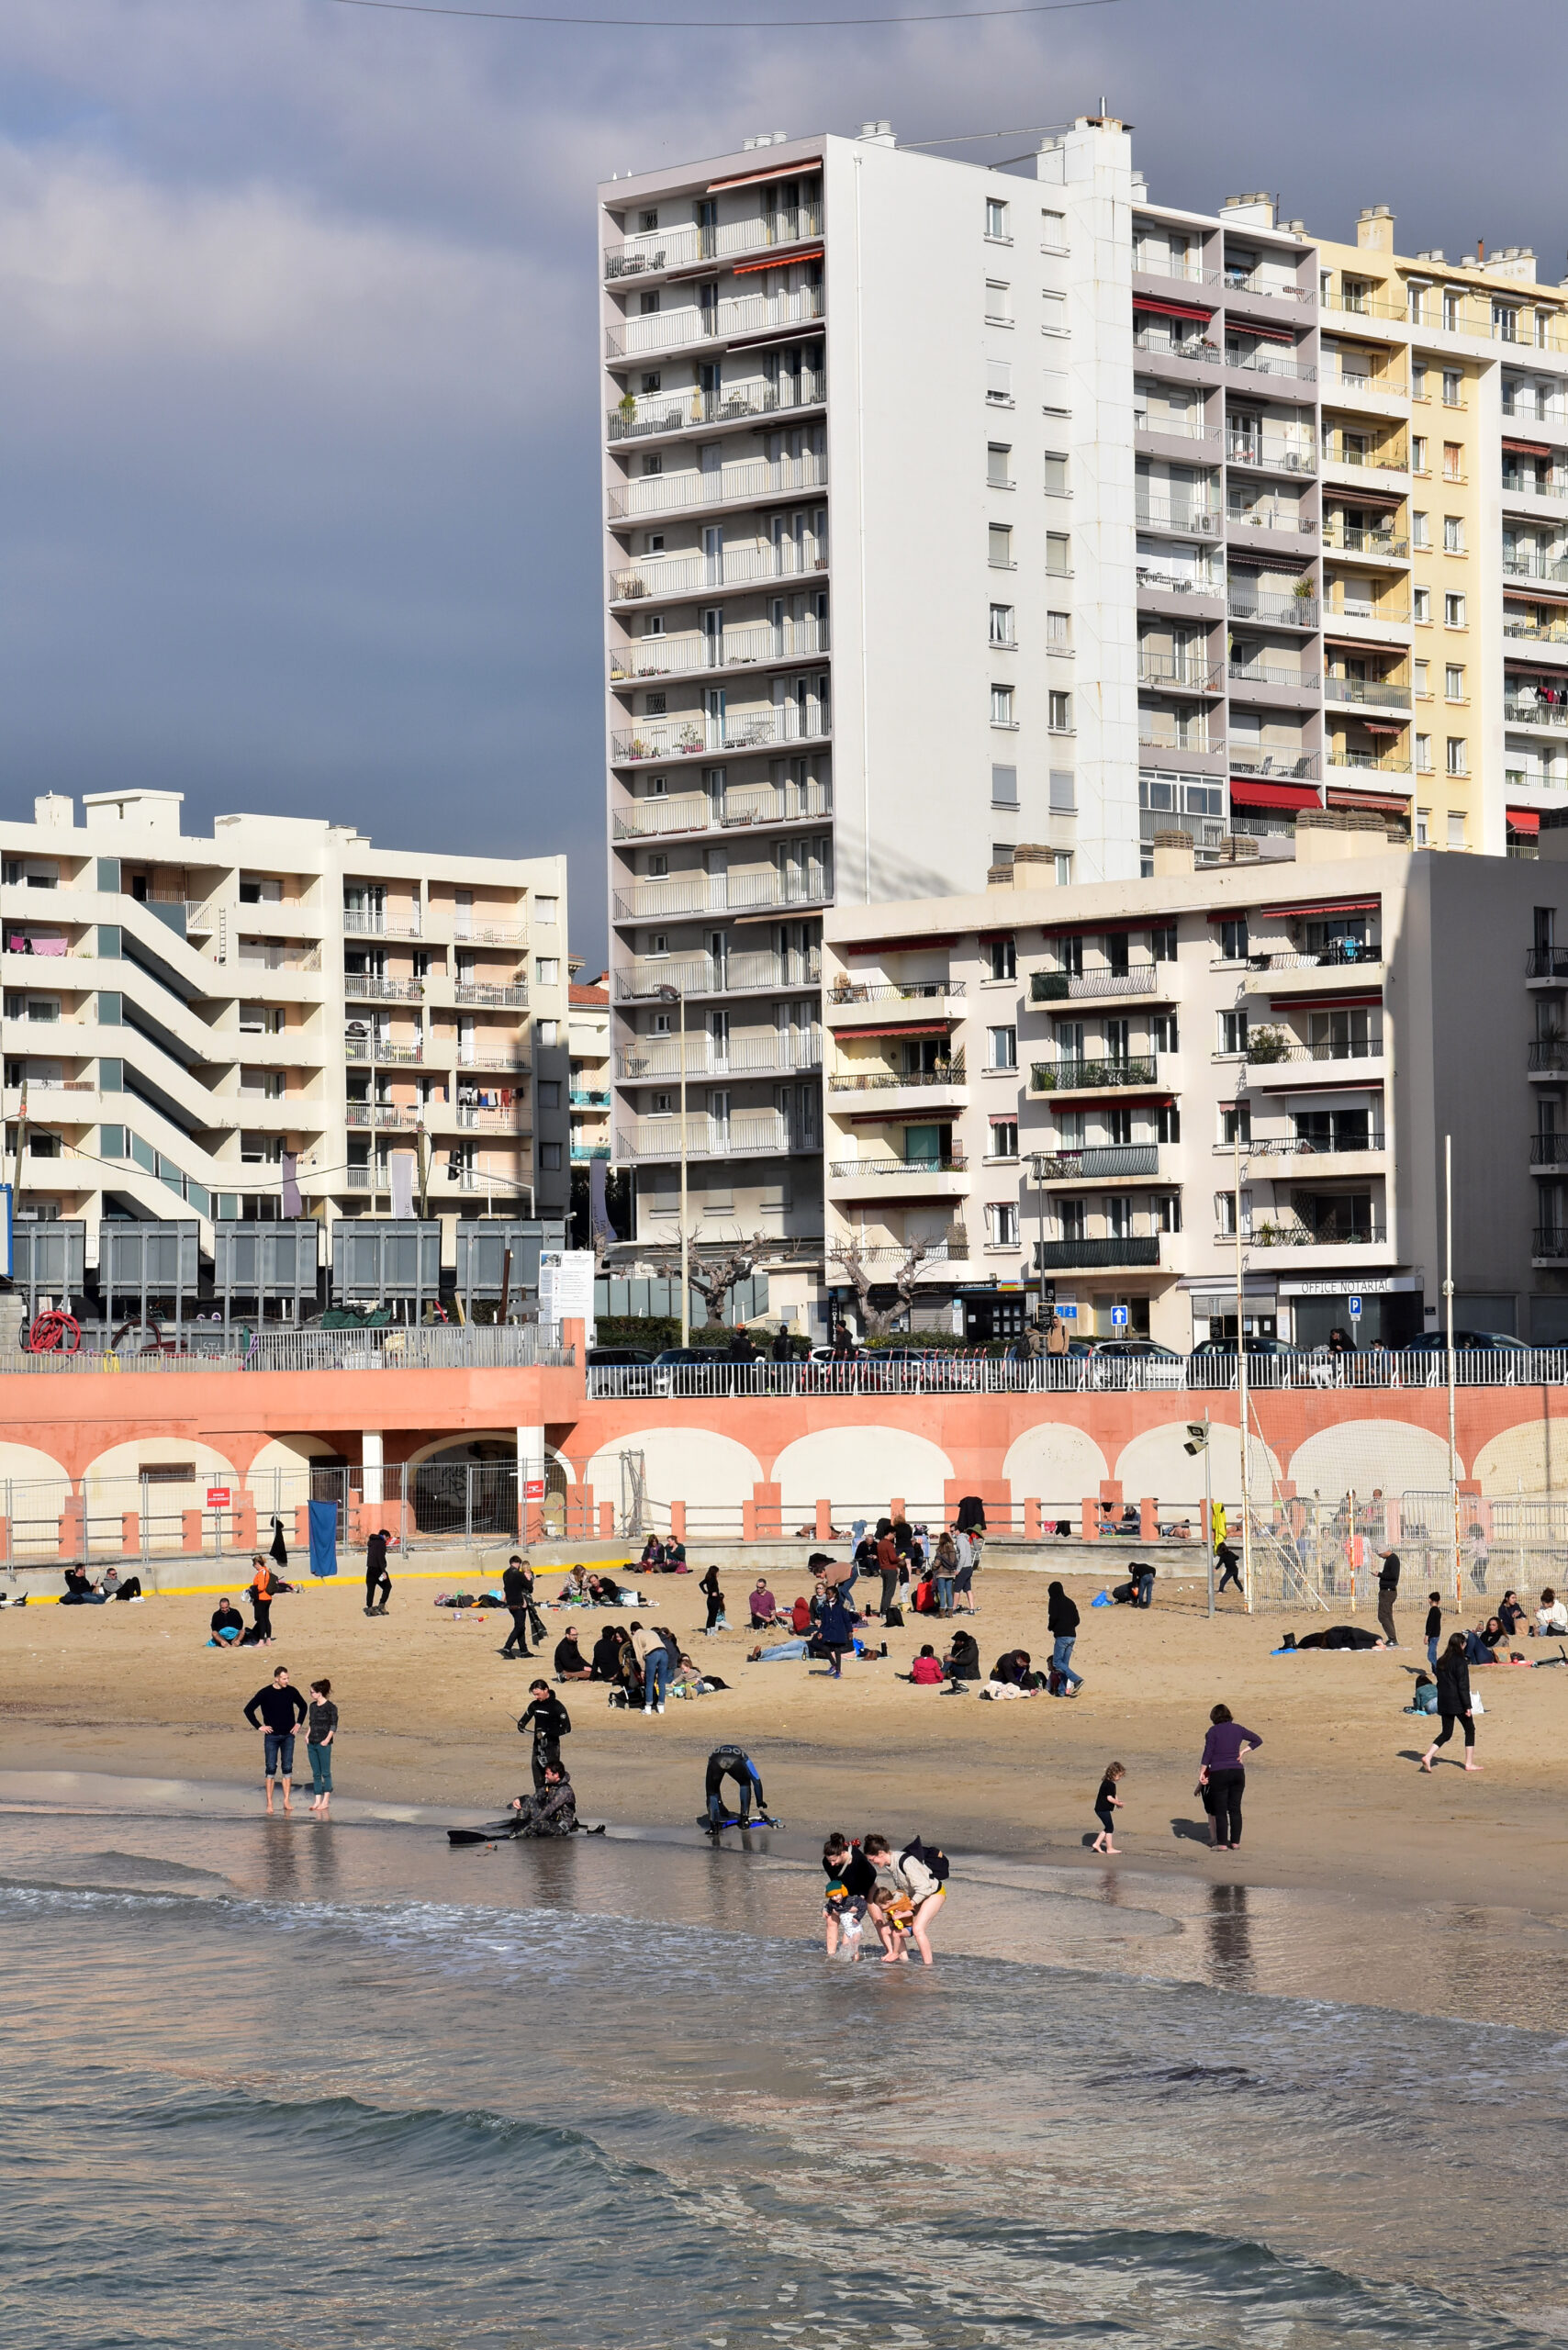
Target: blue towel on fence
column 323, row 1537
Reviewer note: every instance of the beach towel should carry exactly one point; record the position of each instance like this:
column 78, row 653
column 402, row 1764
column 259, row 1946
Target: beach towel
column 323, row 1538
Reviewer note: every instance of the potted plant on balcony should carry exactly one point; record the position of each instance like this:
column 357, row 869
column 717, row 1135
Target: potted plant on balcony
column 627, row 407
column 1268, row 1044
column 690, row 738
column 1304, row 591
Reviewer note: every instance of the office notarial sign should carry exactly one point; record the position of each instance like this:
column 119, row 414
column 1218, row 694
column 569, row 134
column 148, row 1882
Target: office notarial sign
column 1362, row 1287
column 566, row 1287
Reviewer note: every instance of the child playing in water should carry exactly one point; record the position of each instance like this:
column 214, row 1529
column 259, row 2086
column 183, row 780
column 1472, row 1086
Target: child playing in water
column 1106, row 1803
column 843, row 1908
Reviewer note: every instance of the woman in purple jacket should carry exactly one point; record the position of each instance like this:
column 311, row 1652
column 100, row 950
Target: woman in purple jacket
column 1223, row 1776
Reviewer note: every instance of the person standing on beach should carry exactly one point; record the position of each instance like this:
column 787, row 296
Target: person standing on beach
column 1434, row 1626
column 516, row 1588
column 1223, row 1773
column 260, row 1595
column 1453, row 1703
column 550, row 1723
column 1107, row 1802
column 321, row 1731
column 282, row 1709
column 887, row 1568
column 708, row 1587
column 1228, row 1560
column 1387, row 1593
column 378, row 1582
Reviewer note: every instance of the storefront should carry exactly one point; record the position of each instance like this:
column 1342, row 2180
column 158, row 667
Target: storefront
column 1391, row 1309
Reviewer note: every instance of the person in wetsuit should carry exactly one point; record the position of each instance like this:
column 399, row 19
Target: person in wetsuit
column 734, row 1762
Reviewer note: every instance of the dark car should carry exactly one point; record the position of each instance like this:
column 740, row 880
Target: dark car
column 616, row 1356
column 1466, row 1342
column 1256, row 1345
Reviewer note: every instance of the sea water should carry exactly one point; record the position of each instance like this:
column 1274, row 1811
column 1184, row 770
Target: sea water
column 269, row 2082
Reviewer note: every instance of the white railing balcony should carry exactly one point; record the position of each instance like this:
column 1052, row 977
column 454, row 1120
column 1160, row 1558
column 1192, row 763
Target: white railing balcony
column 698, row 735
column 1529, row 708
column 1267, row 362
column 694, row 575
column 686, row 246
column 742, row 808
column 784, row 1051
column 685, row 655
column 716, row 894
column 383, row 1116
column 1177, row 428
column 695, row 487
column 371, row 984
column 1208, row 355
column 759, row 1134
column 1534, row 630
column 1170, row 742
column 372, row 1048
column 1193, row 676
column 1272, row 452
column 1259, row 672
column 364, row 922
column 1289, row 611
column 1525, row 564
column 1347, row 539
column 1532, row 485
column 1370, row 690
column 641, row 414
column 1176, row 514
column 500, row 995
column 1282, row 764
column 366, row 1179
column 736, row 313
column 646, row 977
column 1391, row 458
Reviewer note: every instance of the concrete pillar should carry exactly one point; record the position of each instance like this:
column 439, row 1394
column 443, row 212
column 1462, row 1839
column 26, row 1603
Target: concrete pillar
column 5, row 1542
column 531, row 1460
column 1034, row 1522
column 1091, row 1509
column 895, row 1509
column 190, row 1532
column 607, row 1522
column 130, row 1534
column 677, row 1521
column 371, row 1455
column 1149, row 1519
column 302, row 1527
column 824, row 1521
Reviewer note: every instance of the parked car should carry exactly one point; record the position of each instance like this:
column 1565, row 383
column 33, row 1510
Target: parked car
column 1466, row 1342
column 1136, row 1362
column 616, row 1357
column 1256, row 1345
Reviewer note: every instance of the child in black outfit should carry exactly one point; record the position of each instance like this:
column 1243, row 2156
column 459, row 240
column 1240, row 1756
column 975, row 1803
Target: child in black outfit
column 1434, row 1626
column 1106, row 1803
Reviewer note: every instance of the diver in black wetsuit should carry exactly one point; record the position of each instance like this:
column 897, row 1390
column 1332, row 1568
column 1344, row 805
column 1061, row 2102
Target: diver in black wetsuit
column 734, row 1762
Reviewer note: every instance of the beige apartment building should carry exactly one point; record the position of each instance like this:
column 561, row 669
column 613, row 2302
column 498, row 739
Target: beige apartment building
column 194, row 1023
column 589, row 1092
column 1047, row 1087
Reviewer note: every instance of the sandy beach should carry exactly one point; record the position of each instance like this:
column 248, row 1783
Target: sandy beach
column 428, row 1705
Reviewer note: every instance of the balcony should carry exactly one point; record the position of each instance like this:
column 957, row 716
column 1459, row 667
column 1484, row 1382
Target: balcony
column 901, row 1178
column 762, row 1133
column 1392, row 457
column 1270, row 455
column 850, row 1006
column 1275, row 611
column 1346, row 541
column 1515, row 487
column 1176, row 428
column 1154, row 979
column 1269, row 361
column 927, row 1087
column 688, row 246
column 779, row 1052
column 1371, row 691
column 1285, row 765
column 1268, row 1059
column 1115, row 1161
column 734, row 316
column 1178, row 742
column 1273, row 288
column 1288, row 519
column 1331, row 1235
column 384, row 1116
column 1180, row 676
column 662, row 577
column 1198, row 352
column 640, row 416
column 1153, row 580
column 1080, row 1077
column 690, row 654
column 709, row 893
column 371, row 985
column 717, row 975
column 701, row 736
column 1297, row 681
column 375, row 1049
column 1548, row 1057
column 495, row 995
column 1534, row 566
column 369, row 921
column 1533, row 710
column 1549, row 963
column 580, row 1097
column 731, row 484
column 747, row 806
column 1549, row 1245
column 1367, row 306
column 1534, row 631
column 1304, row 974
column 1549, row 1153
column 1323, row 1156
column 1176, row 514
column 1097, row 1256
column 583, row 1151
column 1341, row 755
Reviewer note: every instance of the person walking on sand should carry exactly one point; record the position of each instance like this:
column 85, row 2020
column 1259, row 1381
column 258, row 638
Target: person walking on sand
column 1453, row 1703
column 1228, row 1560
column 1222, row 1772
column 378, row 1582
column 259, row 1592
column 1107, row 1802
column 1061, row 1622
column 282, row 1709
column 1387, row 1593
column 320, row 1731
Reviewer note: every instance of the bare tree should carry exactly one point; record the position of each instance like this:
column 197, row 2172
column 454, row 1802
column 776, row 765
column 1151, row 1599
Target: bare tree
column 876, row 1321
column 716, row 1272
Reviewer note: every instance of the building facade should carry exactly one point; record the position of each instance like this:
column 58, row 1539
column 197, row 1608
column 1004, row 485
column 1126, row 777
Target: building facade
column 190, row 1020
column 588, row 1014
column 1053, row 1091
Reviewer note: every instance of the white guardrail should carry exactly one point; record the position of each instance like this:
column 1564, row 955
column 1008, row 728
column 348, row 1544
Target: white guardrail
column 397, row 1347
column 965, row 1374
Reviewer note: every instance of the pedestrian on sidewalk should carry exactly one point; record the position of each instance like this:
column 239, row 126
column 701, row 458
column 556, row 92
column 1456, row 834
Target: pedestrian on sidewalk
column 1387, row 1593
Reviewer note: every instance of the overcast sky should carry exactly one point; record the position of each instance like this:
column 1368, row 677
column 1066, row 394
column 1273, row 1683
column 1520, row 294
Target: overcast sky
column 300, row 497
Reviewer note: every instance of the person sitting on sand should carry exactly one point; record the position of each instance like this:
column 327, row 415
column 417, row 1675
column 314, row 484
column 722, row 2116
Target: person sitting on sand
column 763, row 1607
column 552, row 1811
column 962, row 1659
column 605, row 1665
column 227, row 1624
column 1337, row 1636
column 605, row 1591
column 675, row 1557
column 1510, row 1615
column 925, row 1671
column 80, row 1590
column 570, row 1662
column 1551, row 1616
column 653, row 1558
column 576, row 1585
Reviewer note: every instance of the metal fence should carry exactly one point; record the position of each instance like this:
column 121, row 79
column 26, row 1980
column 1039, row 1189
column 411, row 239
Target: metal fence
column 399, row 1347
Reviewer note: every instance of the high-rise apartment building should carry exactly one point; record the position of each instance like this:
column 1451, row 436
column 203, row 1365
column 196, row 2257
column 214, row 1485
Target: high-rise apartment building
column 188, row 1018
column 953, row 507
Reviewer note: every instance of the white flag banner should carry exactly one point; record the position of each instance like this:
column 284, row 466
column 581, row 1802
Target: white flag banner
column 400, row 1179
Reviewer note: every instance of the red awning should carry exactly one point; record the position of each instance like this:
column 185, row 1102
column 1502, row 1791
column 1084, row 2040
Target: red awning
column 1381, row 726
column 1244, row 793
column 1335, row 1085
column 923, row 1116
column 1524, row 820
column 1327, row 1003
column 1337, row 495
column 1118, row 1098
column 777, row 260
column 1529, row 448
column 1004, row 1117
column 1376, row 803
column 908, row 946
column 1322, row 906
column 990, row 937
column 1171, row 309
column 903, row 1029
column 775, row 172
column 1262, row 334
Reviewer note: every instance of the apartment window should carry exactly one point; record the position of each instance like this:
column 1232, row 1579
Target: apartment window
column 1453, row 681
column 1458, row 755
column 653, row 465
column 1003, row 1047
column 1004, row 1139
column 998, row 303
column 1453, row 461
column 1002, row 1215
column 999, row 465
column 653, row 542
column 658, row 942
column 550, row 1156
column 1053, row 314
column 652, row 380
column 1064, row 868
column 1453, row 534
column 549, row 1032
column 1000, row 538
column 545, row 908
column 1420, row 531
column 1233, row 1031
column 1001, row 706
column 1004, row 788
column 1423, row 820
column 996, row 217
column 999, row 383
column 1421, row 672
column 1414, row 298
column 1058, row 554
column 648, row 305
column 1059, row 632
column 1418, row 452
column 1056, row 476
column 1162, row 943
column 1164, row 1036
column 1456, row 828
column 647, row 222
column 1235, row 1122
column 547, row 970
column 1167, row 1208
column 1453, row 611
column 1453, row 387
column 1225, row 1214
column 549, row 1092
column 1053, row 232
column 1058, row 707
column 1233, row 941
column 1002, row 624
column 1452, row 298
column 655, row 705
column 1003, row 958
column 1064, row 792
column 1505, row 322
column 1421, row 603
column 1423, row 755
column 1167, row 1123
column 658, row 864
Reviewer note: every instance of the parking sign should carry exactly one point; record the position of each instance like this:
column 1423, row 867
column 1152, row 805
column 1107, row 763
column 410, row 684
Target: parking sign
column 1353, row 1308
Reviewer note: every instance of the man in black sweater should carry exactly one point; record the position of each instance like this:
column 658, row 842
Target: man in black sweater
column 550, row 1723
column 517, row 1588
column 1387, row 1593
column 282, row 1708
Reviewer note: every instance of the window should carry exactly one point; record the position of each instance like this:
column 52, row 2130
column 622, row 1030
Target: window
column 1004, row 1047
column 1064, row 868
column 545, row 908
column 1422, row 671
column 1233, row 941
column 1059, row 632
column 1235, row 1122
column 1058, row 554
column 663, row 1104
column 1505, row 322
column 655, row 705
column 1453, row 681
column 1420, row 531
column 1004, row 1139
column 1163, row 1035
column 550, row 1156
column 1167, row 1211
column 653, row 465
column 1002, row 624
column 1453, row 534
column 1000, row 536
column 1058, row 707
column 1423, row 755
column 1167, row 1123
column 1001, row 706
column 1003, row 1217
column 658, row 942
column 1053, row 232
column 1225, row 1214
column 652, row 380
column 1053, row 314
column 1453, row 461
column 999, row 383
column 1418, row 379
column 1056, row 476
column 658, row 864
column 1453, row 387
column 1003, row 958
column 1458, row 755
column 1421, row 603
column 647, row 221
column 1423, row 820
column 1453, row 299
column 999, row 465
column 1003, row 852
column 998, row 303
column 1419, row 453
column 547, row 970
column 1162, row 943
column 1456, row 828
column 649, row 304
column 549, row 1092
column 167, row 1472
column 549, row 1032
column 653, row 542
column 1233, row 1031
column 1453, row 611
column 1004, row 788
column 1064, row 792
column 996, row 217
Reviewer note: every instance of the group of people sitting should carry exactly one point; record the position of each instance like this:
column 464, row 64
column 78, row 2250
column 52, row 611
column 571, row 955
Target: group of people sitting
column 81, row 1591
column 640, row 1664
column 663, row 1558
column 584, row 1589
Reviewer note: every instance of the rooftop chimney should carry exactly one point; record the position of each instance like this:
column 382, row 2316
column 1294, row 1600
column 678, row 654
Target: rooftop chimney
column 1374, row 229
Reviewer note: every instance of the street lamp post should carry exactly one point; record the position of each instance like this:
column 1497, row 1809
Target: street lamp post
column 678, row 995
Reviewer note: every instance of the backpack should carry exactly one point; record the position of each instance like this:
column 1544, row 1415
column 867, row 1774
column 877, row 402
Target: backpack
column 930, row 1856
column 893, row 1615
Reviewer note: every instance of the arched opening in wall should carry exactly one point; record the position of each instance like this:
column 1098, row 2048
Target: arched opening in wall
column 467, row 1491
